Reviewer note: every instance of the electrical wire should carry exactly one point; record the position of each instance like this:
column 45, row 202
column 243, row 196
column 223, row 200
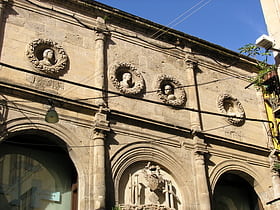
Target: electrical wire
column 126, row 96
column 137, row 37
column 185, row 12
column 112, row 92
column 183, row 19
column 98, row 89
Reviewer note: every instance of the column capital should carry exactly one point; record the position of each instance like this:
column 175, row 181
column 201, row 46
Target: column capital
column 100, row 120
column 101, row 29
column 190, row 63
column 99, row 36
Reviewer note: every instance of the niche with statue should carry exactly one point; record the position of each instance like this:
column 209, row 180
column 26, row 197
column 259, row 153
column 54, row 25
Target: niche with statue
column 148, row 186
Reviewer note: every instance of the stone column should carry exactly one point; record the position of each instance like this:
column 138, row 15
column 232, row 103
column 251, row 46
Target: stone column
column 275, row 179
column 200, row 146
column 97, row 178
column 192, row 95
column 201, row 181
column 100, row 60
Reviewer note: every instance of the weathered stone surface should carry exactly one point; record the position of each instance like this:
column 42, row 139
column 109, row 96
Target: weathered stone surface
column 191, row 142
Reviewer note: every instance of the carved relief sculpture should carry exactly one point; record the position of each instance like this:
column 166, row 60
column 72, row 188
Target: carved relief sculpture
column 149, row 189
column 231, row 106
column 47, row 56
column 127, row 79
column 170, row 91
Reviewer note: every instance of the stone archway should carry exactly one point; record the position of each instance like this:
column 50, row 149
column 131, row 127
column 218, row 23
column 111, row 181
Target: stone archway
column 232, row 192
column 241, row 172
column 134, row 167
column 36, row 171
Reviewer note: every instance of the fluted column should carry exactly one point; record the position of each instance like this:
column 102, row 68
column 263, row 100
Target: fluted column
column 100, row 60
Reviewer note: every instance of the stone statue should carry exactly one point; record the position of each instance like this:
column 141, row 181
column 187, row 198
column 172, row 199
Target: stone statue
column 126, row 80
column 168, row 90
column 48, row 56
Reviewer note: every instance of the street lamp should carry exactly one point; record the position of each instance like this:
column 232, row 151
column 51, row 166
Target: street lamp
column 51, row 115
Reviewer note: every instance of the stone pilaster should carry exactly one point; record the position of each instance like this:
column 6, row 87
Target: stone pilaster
column 100, row 60
column 192, row 95
column 201, row 180
column 97, row 161
column 199, row 145
column 275, row 179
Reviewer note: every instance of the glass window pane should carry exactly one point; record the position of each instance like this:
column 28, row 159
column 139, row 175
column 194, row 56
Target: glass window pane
column 34, row 180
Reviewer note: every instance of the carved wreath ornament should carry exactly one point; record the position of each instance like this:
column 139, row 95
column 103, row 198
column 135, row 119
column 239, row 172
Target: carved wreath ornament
column 170, row 91
column 231, row 106
column 127, row 79
column 47, row 56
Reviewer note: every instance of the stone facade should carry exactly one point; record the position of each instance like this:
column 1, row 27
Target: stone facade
column 143, row 123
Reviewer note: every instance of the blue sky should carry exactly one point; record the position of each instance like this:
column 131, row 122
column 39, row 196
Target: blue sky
column 228, row 23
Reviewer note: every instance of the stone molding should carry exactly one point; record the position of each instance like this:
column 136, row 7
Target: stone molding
column 178, row 96
column 231, row 106
column 233, row 165
column 137, row 83
column 54, row 66
column 130, row 155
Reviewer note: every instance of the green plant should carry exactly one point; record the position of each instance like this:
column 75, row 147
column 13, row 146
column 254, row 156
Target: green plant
column 263, row 67
column 276, row 166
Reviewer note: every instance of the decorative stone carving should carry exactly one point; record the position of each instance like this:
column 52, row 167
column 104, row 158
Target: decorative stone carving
column 127, row 79
column 231, row 106
column 170, row 91
column 150, row 188
column 43, row 83
column 47, row 56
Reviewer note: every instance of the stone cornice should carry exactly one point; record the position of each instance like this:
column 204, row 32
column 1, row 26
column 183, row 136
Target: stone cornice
column 89, row 10
column 237, row 156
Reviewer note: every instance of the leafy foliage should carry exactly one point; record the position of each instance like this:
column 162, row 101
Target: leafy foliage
column 253, row 50
column 264, row 68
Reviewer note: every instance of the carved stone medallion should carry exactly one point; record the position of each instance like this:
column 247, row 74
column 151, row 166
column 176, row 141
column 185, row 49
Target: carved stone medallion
column 47, row 56
column 231, row 106
column 127, row 79
column 170, row 90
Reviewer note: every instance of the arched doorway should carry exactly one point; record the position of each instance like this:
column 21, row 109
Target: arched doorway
column 232, row 192
column 36, row 172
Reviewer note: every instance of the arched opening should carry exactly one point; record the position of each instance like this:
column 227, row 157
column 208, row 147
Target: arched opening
column 233, row 192
column 148, row 185
column 36, row 172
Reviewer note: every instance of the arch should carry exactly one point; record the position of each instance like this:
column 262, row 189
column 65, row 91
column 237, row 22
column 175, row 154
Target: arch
column 65, row 137
column 143, row 152
column 239, row 168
